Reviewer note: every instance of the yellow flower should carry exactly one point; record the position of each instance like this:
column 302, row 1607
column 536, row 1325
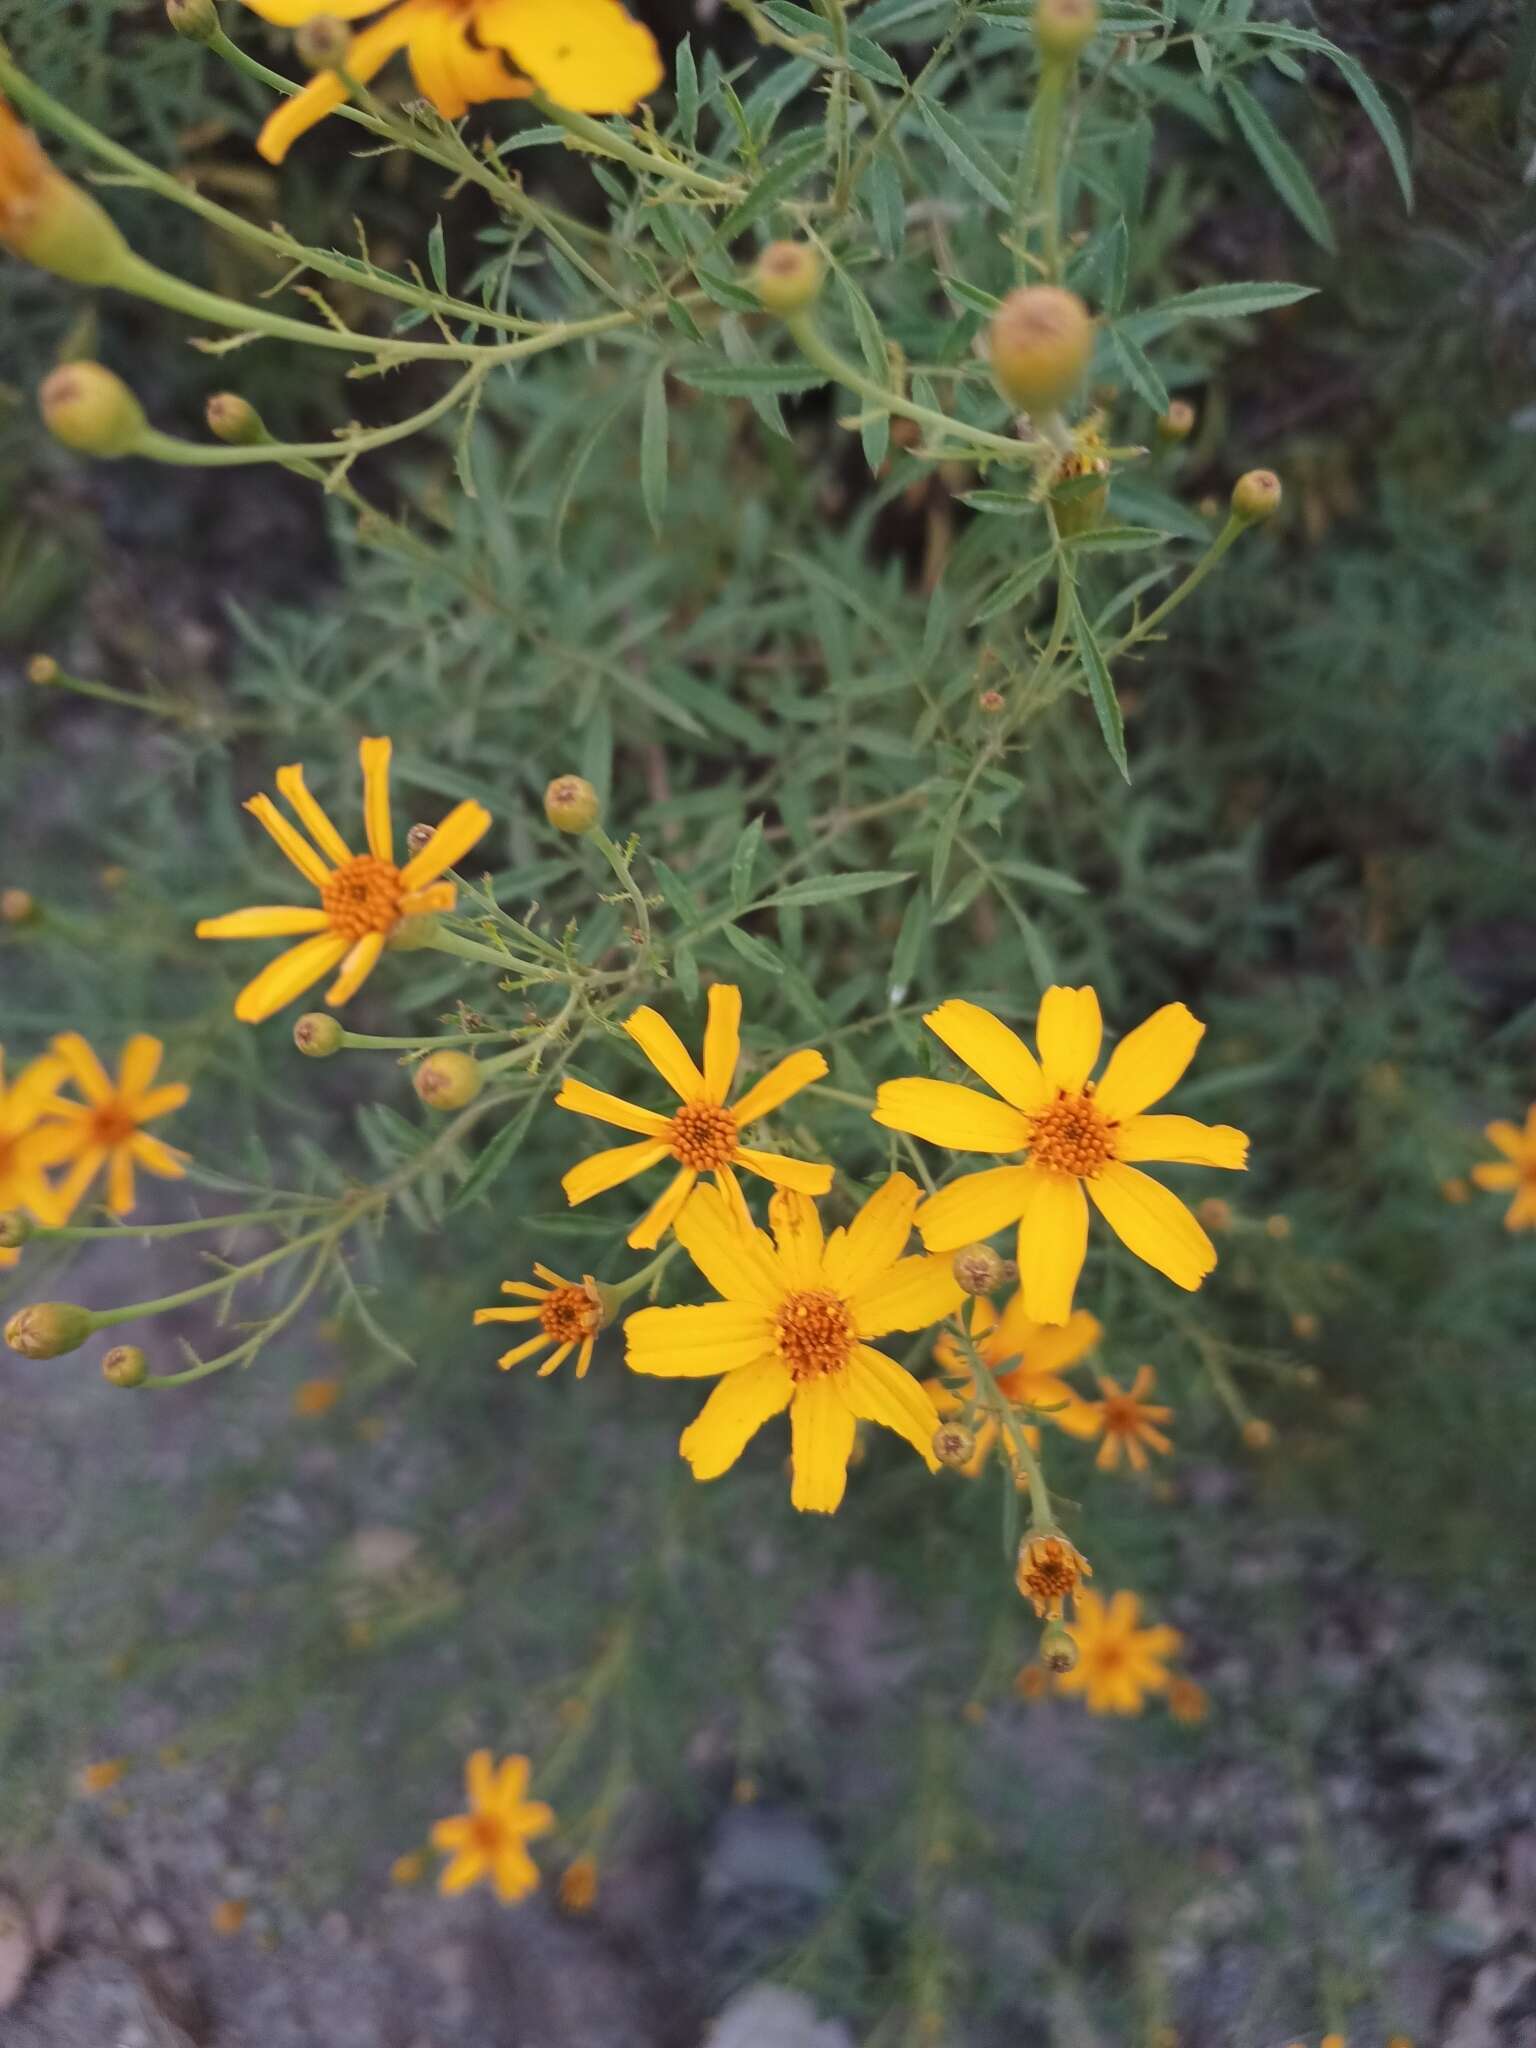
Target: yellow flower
column 704, row 1136
column 589, row 55
column 408, row 1869
column 491, row 1839
column 792, row 1332
column 316, row 1397
column 1515, row 1171
column 578, row 1886
column 364, row 898
column 107, row 1129
column 228, row 1916
column 1187, row 1701
column 94, row 1779
column 1027, row 1360
column 28, row 1144
column 1117, row 1662
column 1127, row 1421
column 1072, row 1132
column 568, row 1313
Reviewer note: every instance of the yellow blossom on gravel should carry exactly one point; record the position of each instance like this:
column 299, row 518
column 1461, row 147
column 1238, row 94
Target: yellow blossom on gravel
column 1070, row 1134
column 1515, row 1173
column 1027, row 1359
column 364, row 898
column 589, row 55
column 1118, row 1661
column 704, row 1135
column 107, row 1128
column 1127, row 1422
column 568, row 1313
column 793, row 1331
column 491, row 1840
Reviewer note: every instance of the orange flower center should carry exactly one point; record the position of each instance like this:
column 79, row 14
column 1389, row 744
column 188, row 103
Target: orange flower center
column 703, row 1136
column 488, row 1833
column 112, row 1125
column 568, row 1315
column 1121, row 1415
column 363, row 896
column 814, row 1333
column 1072, row 1136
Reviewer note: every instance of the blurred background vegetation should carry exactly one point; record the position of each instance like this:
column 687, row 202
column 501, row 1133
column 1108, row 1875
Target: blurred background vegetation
column 1326, row 849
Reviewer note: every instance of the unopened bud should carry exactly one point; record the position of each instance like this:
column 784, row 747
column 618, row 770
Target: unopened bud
column 449, row 1080
column 1040, row 344
column 977, row 1268
column 90, row 410
column 235, row 421
column 1215, row 1212
column 1258, row 1435
column 17, row 906
column 15, row 1229
column 49, row 220
column 571, row 804
column 1064, row 27
column 42, row 669
column 991, row 702
column 1178, row 422
column 1058, row 1650
column 48, row 1329
column 197, row 20
column 1256, row 496
column 323, row 43
column 318, row 1036
column 1304, row 1325
column 788, row 277
column 1049, row 1572
column 125, row 1366
column 953, row 1444
column 417, row 838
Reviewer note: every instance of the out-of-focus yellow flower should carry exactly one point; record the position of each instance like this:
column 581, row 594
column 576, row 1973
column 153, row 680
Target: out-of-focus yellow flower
column 589, row 55
column 1032, row 1682
column 491, row 1840
column 228, row 1916
column 793, row 1332
column 1456, row 1190
column 1072, row 1133
column 94, row 1779
column 1128, row 1422
column 1027, row 1359
column 316, row 1397
column 1118, row 1662
column 568, row 1313
column 578, row 1885
column 1515, row 1172
column 364, row 898
column 1188, row 1702
column 704, row 1136
column 28, row 1145
column 107, row 1128
column 409, row 1869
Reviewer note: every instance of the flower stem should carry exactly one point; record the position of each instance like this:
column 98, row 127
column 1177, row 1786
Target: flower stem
column 811, row 344
column 1042, row 1518
column 1192, row 582
column 605, row 143
column 617, row 860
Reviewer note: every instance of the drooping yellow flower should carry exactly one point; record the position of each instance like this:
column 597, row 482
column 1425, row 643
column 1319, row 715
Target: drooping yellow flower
column 704, row 1136
column 1127, row 1421
column 107, row 1128
column 589, row 55
column 793, row 1331
column 568, row 1313
column 1072, row 1134
column 364, row 898
column 491, row 1840
column 28, row 1145
column 1515, row 1172
column 1118, row 1662
column 1027, row 1359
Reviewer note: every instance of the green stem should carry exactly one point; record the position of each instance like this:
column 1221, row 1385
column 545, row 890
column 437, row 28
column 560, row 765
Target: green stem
column 444, row 941
column 167, row 448
column 606, row 143
column 1039, row 184
column 834, row 12
column 83, row 1233
column 1192, row 582
column 361, row 1041
column 1042, row 1517
column 108, row 1318
column 616, row 860
column 808, row 339
column 616, row 1293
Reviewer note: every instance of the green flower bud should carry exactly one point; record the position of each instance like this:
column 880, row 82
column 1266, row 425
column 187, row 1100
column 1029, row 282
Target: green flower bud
column 125, row 1366
column 571, row 804
column 449, row 1080
column 977, row 1268
column 323, row 43
column 48, row 1329
column 1040, row 344
column 197, row 20
column 46, row 218
column 1058, row 1652
column 1178, row 422
column 15, row 1229
column 1256, row 496
column 91, row 411
column 953, row 1444
column 318, row 1035
column 788, row 277
column 235, row 421
column 1064, row 28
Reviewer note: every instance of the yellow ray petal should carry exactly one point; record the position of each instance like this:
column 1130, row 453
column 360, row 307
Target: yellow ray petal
column 974, row 1206
column 1181, row 1141
column 1148, row 1062
column 162, row 1101
column 524, row 1350
column 737, row 1261
column 907, row 1296
column 770, row 1091
column 722, row 1040
column 877, row 1390
column 821, row 1432
column 612, row 1109
column 877, row 1236
column 514, row 1874
column 138, row 1064
column 666, row 1053
column 805, row 1176
column 120, row 1181
column 1496, row 1174
column 289, row 975
column 68, row 1193
column 1154, row 1224
column 1505, row 1137
column 291, row 13
column 605, row 1170
column 465, row 825
column 294, row 844
column 1049, row 1349
column 374, row 755
column 480, row 1780
column 312, row 815
column 355, row 969
column 995, row 1054
column 556, row 1359
column 697, row 1343
column 589, row 55
column 85, row 1070
column 797, row 1232
column 1069, row 1032
column 1053, row 1241
column 662, row 1214
column 160, row 1159
column 432, row 901
column 732, row 1416
column 946, row 1114
column 530, row 1314
column 370, row 52
column 265, row 921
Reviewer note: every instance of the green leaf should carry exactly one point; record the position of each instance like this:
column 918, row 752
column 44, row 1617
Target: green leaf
column 1114, row 540
column 1214, row 302
column 742, row 863
column 1133, row 361
column 1280, row 163
column 687, row 92
column 500, row 1152
column 971, row 295
column 1015, row 588
column 833, row 888
column 437, row 259
column 788, row 172
column 1100, row 686
column 653, row 448
column 887, row 206
column 747, row 380
column 965, row 153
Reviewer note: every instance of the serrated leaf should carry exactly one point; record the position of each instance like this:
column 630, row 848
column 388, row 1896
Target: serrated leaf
column 687, row 92
column 1114, row 540
column 833, row 888
column 501, row 1151
column 1133, row 360
column 782, row 177
column 653, row 448
column 1015, row 588
column 437, row 257
column 1101, row 687
column 1279, row 163
column 742, row 863
column 980, row 171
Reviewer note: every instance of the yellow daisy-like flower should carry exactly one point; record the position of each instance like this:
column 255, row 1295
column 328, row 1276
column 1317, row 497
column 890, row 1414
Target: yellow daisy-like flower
column 589, row 55
column 491, row 1840
column 107, row 1128
column 1027, row 1359
column 1072, row 1133
column 29, row 1145
column 1515, row 1172
column 1127, row 1421
column 1118, row 1662
column 793, row 1332
column 568, row 1313
column 364, row 898
column 704, row 1136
